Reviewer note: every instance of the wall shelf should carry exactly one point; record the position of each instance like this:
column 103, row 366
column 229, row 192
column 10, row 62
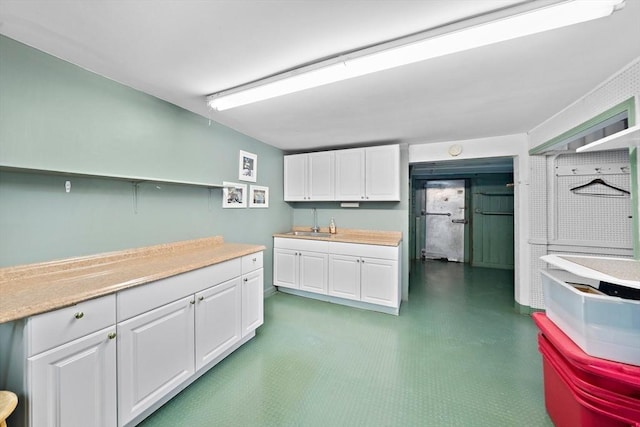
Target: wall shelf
column 131, row 179
column 624, row 139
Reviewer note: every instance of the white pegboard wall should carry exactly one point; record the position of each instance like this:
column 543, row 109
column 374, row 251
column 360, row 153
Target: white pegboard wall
column 613, row 91
column 536, row 296
column 538, row 197
column 598, row 215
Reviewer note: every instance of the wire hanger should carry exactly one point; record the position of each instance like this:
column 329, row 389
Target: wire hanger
column 604, row 183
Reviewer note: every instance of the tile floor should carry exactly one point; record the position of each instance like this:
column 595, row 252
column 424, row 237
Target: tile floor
column 458, row 355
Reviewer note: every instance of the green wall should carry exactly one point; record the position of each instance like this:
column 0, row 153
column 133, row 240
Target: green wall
column 55, row 115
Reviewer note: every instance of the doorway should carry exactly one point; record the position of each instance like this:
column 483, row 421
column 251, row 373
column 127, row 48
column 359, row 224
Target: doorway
column 471, row 209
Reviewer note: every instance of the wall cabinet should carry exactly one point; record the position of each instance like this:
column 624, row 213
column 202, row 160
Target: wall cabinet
column 309, row 177
column 161, row 336
column 346, row 271
column 368, row 174
column 357, row 174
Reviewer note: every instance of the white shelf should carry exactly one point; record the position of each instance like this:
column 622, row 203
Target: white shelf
column 624, row 139
column 132, row 179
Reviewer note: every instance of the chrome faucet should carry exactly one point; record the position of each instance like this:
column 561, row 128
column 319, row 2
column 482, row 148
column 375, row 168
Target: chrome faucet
column 315, row 227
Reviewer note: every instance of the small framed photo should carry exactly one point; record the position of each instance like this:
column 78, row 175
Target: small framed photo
column 258, row 197
column 248, row 167
column 234, row 195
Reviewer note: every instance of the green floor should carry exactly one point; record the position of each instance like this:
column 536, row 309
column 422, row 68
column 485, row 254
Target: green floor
column 458, row 355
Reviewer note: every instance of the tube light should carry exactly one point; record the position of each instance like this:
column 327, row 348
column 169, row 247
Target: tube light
column 354, row 65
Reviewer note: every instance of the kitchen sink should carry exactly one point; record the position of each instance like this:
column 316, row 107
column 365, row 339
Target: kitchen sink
column 309, row 234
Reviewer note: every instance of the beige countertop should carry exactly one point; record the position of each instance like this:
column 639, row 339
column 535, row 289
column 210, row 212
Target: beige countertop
column 367, row 237
column 621, row 271
column 36, row 288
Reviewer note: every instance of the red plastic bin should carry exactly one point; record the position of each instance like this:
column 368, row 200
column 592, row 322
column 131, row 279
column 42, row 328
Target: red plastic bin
column 570, row 406
column 581, row 390
column 619, row 378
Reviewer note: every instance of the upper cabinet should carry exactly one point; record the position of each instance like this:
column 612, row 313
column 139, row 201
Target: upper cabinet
column 357, row 174
column 309, row 177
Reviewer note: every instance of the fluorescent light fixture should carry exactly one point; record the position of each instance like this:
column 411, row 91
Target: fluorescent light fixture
column 366, row 62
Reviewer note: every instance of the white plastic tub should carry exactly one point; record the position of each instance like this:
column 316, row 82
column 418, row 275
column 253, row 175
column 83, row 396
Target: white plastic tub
column 602, row 326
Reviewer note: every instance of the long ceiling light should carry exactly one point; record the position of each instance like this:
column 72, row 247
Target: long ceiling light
column 381, row 58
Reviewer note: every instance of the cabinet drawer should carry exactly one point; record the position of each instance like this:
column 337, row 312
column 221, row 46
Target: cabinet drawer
column 143, row 298
column 360, row 250
column 57, row 327
column 301, row 244
column 251, row 262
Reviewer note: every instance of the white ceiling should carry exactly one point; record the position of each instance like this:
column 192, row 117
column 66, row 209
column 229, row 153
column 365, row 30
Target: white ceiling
column 181, row 51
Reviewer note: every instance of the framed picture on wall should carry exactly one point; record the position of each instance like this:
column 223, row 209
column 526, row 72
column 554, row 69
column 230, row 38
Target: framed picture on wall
column 248, row 167
column 234, row 195
column 258, row 197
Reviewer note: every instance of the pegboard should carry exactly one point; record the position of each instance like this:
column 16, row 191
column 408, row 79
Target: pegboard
column 594, row 216
column 536, row 297
column 538, row 197
column 613, row 91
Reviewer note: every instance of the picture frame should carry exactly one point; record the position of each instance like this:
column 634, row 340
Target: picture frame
column 247, row 166
column 258, row 196
column 234, row 195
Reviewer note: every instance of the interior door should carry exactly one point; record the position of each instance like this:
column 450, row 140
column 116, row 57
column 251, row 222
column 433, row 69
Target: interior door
column 445, row 219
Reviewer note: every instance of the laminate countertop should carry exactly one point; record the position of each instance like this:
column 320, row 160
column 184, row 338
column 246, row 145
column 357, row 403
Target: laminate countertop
column 366, row 237
column 31, row 289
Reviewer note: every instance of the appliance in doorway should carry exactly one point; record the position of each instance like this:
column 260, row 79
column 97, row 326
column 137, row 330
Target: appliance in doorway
column 444, row 212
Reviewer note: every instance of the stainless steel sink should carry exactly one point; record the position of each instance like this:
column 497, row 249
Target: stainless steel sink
column 309, row 234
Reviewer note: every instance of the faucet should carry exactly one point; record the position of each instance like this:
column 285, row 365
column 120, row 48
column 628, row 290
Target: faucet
column 315, row 227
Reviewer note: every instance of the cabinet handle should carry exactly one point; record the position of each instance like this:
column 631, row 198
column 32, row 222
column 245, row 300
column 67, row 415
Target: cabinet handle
column 79, row 315
column 111, row 335
column 192, row 302
column 255, row 259
column 362, row 197
column 363, row 261
column 246, row 280
column 358, row 260
column 201, row 299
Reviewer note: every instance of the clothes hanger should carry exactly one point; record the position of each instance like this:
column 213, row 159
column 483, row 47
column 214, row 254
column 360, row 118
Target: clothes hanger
column 601, row 182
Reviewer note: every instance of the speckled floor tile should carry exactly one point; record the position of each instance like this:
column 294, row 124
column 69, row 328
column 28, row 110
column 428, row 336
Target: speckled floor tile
column 458, row 355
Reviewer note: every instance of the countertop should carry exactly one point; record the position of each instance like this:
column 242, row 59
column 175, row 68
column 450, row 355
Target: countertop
column 367, row 237
column 37, row 288
column 620, row 271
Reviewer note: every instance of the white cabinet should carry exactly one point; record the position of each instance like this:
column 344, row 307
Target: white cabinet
column 252, row 301
column 368, row 174
column 64, row 363
column 344, row 276
column 161, row 336
column 300, row 264
column 155, row 354
column 309, row 177
column 75, row 384
column 252, row 293
column 218, row 320
column 364, row 273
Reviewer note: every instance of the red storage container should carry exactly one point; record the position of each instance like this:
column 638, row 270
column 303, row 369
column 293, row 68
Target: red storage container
column 585, row 391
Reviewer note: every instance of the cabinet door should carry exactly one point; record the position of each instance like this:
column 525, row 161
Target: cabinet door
column 75, row 384
column 321, row 175
column 218, row 320
column 383, row 173
column 252, row 301
column 285, row 268
column 295, row 177
column 350, row 170
column 344, row 276
column 314, row 272
column 155, row 354
column 379, row 282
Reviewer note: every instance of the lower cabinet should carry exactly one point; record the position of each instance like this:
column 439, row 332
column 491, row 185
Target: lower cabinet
column 356, row 272
column 74, row 385
column 112, row 360
column 218, row 320
column 155, row 354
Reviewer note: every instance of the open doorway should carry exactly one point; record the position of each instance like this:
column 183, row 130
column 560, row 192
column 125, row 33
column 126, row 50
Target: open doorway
column 463, row 211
